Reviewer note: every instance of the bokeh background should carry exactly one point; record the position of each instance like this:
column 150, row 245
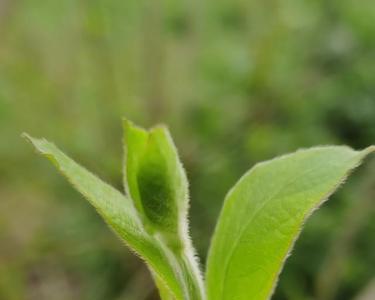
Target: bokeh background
column 237, row 81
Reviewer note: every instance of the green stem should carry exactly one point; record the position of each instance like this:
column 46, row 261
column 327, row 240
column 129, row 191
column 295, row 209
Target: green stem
column 186, row 269
column 193, row 279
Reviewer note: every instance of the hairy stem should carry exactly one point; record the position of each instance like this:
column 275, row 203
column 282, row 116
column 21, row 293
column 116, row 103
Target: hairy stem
column 184, row 264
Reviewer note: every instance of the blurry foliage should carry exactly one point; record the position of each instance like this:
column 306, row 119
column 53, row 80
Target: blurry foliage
column 236, row 81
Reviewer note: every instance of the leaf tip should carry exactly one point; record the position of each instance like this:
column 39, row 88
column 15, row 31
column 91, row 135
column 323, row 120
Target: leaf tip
column 159, row 126
column 370, row 149
column 126, row 122
column 33, row 141
column 130, row 128
column 41, row 145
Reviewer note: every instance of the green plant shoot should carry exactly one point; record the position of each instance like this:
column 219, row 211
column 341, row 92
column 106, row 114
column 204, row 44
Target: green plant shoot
column 261, row 219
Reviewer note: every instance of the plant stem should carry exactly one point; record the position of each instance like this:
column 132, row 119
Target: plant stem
column 194, row 280
column 186, row 268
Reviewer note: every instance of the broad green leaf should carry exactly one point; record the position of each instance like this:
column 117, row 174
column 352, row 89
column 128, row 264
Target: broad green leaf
column 263, row 215
column 118, row 211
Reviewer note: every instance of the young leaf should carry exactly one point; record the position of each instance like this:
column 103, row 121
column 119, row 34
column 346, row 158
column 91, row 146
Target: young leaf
column 155, row 179
column 263, row 215
column 118, row 211
column 156, row 182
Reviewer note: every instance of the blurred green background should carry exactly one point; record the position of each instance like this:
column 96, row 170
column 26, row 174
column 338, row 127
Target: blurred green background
column 236, row 81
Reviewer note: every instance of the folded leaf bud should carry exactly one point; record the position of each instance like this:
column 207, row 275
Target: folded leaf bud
column 155, row 179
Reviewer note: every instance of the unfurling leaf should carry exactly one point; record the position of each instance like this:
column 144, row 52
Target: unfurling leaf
column 155, row 179
column 156, row 182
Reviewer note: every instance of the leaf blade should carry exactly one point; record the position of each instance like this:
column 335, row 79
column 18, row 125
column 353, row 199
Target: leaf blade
column 263, row 215
column 116, row 209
